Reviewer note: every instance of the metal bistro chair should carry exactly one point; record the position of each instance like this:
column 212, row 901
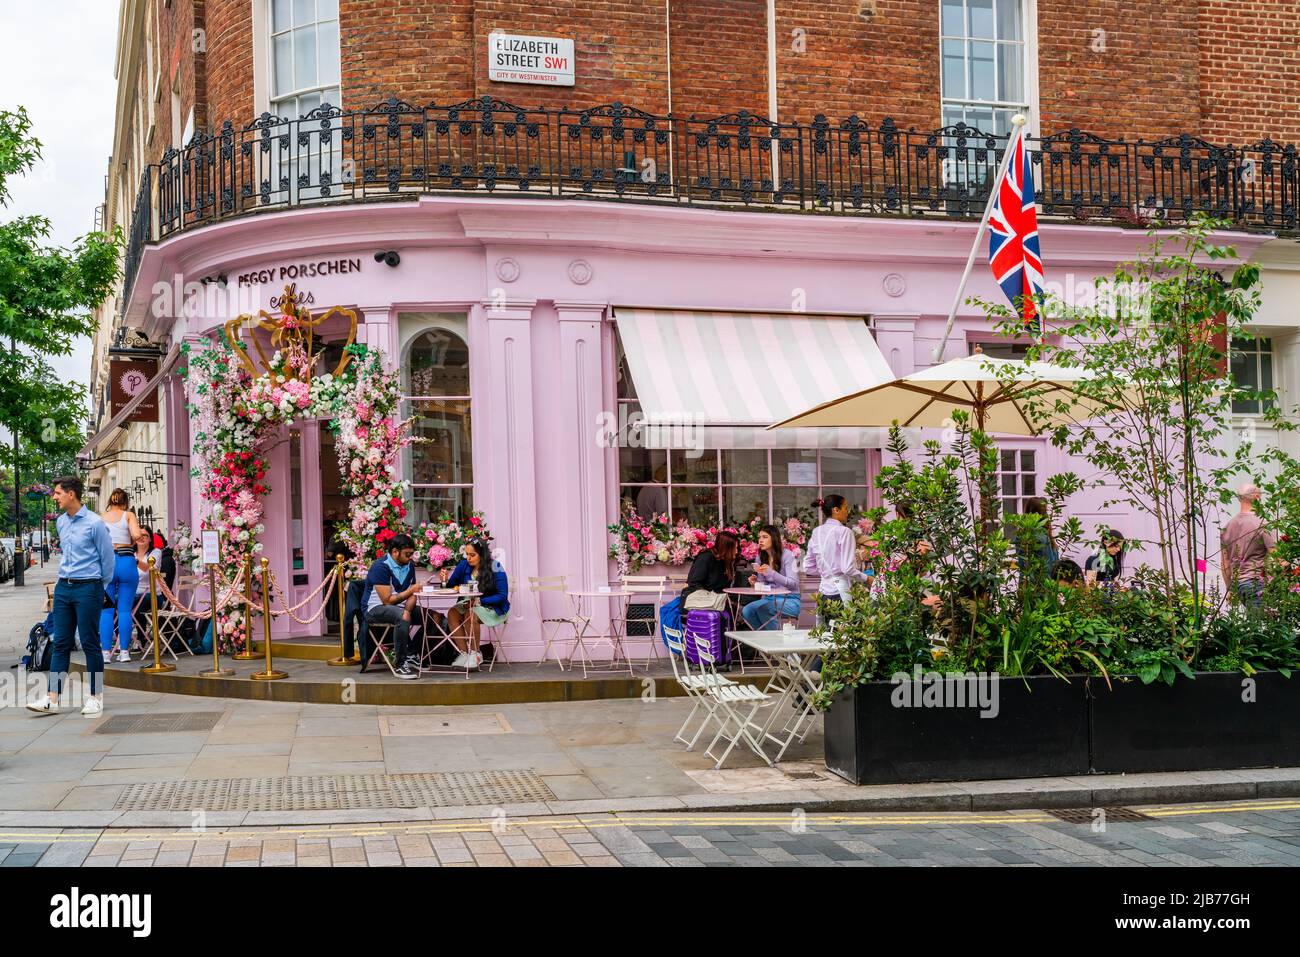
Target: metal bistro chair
column 645, row 585
column 695, row 686
column 551, row 626
column 383, row 644
column 737, row 705
column 491, row 635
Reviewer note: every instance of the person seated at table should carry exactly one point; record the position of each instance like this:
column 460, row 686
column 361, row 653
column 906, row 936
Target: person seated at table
column 714, row 569
column 389, row 597
column 779, row 568
column 477, row 568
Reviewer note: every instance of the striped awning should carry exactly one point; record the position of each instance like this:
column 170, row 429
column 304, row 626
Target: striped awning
column 732, row 374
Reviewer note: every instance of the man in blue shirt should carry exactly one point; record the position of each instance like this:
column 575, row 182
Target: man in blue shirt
column 85, row 572
column 389, row 598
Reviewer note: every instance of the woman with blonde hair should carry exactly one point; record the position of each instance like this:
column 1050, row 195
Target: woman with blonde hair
column 125, row 531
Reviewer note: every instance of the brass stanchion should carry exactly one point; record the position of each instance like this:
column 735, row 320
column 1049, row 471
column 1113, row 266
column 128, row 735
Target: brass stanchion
column 339, row 583
column 159, row 667
column 247, row 653
column 270, row 674
column 217, row 671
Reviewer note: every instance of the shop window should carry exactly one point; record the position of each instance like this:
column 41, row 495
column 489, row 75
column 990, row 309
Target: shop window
column 436, row 380
column 1252, row 368
column 739, row 485
column 731, row 485
column 1001, row 349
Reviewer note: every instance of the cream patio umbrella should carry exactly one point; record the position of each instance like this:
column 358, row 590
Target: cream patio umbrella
column 992, row 390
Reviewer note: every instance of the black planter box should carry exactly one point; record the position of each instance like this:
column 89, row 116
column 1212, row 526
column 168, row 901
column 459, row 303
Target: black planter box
column 1199, row 725
column 1040, row 730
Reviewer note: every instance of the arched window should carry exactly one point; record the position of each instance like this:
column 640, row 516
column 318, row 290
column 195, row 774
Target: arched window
column 436, row 379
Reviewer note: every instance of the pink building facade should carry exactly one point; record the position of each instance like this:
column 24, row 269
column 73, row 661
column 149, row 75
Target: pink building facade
column 518, row 302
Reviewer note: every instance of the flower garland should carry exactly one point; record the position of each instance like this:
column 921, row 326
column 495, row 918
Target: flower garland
column 637, row 542
column 186, row 547
column 236, row 419
column 370, row 436
column 442, row 540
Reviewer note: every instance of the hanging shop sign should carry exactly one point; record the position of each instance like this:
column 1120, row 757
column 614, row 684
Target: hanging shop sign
column 545, row 61
column 128, row 379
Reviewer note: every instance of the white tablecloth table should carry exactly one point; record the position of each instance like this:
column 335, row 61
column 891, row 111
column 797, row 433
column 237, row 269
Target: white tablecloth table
column 788, row 653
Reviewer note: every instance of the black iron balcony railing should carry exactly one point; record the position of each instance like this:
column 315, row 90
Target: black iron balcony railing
column 619, row 153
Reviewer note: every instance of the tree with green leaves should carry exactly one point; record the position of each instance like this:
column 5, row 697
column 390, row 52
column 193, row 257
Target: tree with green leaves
column 1155, row 345
column 47, row 295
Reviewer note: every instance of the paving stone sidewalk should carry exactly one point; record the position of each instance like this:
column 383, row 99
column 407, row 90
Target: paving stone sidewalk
column 1256, row 833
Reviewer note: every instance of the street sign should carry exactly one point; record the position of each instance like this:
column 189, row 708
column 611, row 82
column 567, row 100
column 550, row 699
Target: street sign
column 544, row 61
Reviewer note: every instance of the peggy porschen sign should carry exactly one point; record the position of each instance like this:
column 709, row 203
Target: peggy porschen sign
column 547, row 61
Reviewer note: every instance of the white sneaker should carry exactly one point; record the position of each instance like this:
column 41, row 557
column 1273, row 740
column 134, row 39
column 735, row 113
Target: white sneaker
column 125, row 655
column 476, row 659
column 43, row 705
column 93, row 706
column 462, row 660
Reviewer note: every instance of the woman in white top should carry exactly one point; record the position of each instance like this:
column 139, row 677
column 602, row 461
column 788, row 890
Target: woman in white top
column 125, row 531
column 832, row 552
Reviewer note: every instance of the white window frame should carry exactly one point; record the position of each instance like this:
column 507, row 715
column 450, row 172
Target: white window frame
column 264, row 63
column 1255, row 339
column 1018, row 449
column 1029, row 64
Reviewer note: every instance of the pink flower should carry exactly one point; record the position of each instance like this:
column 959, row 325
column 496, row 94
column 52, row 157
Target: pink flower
column 749, row 550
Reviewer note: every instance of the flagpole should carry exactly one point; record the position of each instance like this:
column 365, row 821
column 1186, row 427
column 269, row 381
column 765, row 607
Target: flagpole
column 1018, row 123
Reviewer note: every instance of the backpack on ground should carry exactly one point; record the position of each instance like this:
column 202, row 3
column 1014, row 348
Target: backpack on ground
column 40, row 645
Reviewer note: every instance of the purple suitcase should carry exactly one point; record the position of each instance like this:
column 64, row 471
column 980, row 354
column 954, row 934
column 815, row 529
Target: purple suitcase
column 706, row 625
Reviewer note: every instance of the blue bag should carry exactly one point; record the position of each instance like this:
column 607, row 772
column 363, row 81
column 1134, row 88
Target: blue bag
column 670, row 616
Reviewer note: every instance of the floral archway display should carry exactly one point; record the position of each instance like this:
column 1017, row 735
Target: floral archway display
column 239, row 409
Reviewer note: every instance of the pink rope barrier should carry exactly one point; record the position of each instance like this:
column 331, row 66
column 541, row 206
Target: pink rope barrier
column 278, row 592
column 222, row 601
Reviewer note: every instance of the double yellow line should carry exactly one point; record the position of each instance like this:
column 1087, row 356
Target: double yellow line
column 625, row 819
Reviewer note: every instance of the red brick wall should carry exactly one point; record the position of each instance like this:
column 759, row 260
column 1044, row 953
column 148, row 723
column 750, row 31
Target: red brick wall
column 1137, row 78
column 1227, row 69
column 875, row 58
column 1250, row 70
column 228, row 26
column 719, row 57
column 418, row 52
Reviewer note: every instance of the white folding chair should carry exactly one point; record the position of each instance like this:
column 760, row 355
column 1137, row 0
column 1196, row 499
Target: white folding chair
column 736, row 706
column 644, row 587
column 551, row 626
column 170, row 620
column 695, row 686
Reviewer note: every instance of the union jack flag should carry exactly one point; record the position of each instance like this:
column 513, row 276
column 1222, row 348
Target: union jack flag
column 1014, row 255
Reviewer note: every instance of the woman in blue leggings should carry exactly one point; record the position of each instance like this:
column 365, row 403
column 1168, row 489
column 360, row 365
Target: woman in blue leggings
column 126, row 532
